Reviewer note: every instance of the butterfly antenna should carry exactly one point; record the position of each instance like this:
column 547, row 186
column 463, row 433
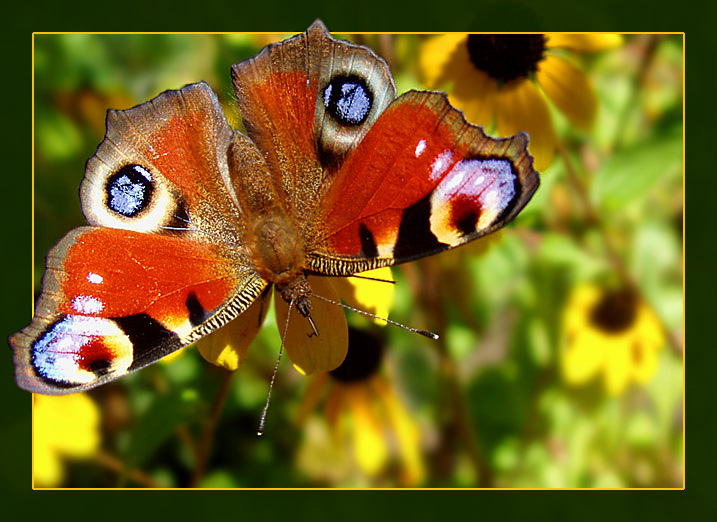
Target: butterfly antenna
column 187, row 221
column 373, row 279
column 194, row 228
column 260, row 432
column 425, row 333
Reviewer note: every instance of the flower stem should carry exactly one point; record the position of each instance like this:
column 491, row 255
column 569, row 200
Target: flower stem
column 109, row 461
column 644, row 67
column 205, row 444
column 459, row 424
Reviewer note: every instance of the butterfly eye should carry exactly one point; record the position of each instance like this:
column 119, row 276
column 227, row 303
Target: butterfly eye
column 129, row 190
column 348, row 100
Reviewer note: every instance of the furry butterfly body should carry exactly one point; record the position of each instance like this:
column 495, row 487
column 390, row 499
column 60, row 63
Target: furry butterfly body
column 191, row 222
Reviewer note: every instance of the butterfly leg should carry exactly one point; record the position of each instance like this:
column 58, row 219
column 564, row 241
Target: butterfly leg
column 298, row 292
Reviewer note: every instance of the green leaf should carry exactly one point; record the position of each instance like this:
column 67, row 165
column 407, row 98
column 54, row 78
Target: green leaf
column 562, row 251
column 655, row 254
column 159, row 422
column 460, row 340
column 58, row 137
column 219, row 479
column 629, row 174
column 641, row 430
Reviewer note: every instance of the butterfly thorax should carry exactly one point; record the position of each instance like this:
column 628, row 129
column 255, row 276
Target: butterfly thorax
column 279, row 256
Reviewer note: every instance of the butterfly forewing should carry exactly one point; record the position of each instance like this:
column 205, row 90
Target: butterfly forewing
column 422, row 180
column 167, row 266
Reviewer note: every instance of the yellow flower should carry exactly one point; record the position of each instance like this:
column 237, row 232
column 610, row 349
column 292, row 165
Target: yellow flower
column 501, row 80
column 609, row 332
column 64, row 426
column 228, row 346
column 370, row 428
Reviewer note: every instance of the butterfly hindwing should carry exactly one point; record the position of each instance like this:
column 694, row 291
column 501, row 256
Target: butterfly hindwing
column 306, row 102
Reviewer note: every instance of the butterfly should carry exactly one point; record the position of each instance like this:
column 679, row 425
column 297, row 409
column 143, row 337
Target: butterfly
column 191, row 222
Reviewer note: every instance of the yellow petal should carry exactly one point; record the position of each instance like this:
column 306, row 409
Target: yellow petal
column 63, row 426
column 227, row 347
column 370, row 448
column 70, row 422
column 168, row 359
column 583, row 357
column 644, row 360
column 374, row 297
column 649, row 328
column 569, row 90
column 46, row 465
column 584, row 42
column 576, row 316
column 407, row 432
column 438, row 61
column 521, row 107
column 310, row 353
column 475, row 93
column 618, row 367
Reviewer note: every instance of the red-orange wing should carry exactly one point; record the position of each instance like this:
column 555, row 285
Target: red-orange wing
column 421, row 181
column 372, row 181
column 115, row 300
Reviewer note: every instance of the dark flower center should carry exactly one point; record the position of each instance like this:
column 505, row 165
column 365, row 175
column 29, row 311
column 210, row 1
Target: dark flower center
column 362, row 360
column 615, row 312
column 506, row 57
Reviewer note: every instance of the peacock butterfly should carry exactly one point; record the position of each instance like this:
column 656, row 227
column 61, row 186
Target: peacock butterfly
column 192, row 221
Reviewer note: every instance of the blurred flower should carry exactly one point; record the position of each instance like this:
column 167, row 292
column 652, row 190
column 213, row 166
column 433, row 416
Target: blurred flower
column 64, row 426
column 494, row 78
column 609, row 332
column 228, row 346
column 370, row 428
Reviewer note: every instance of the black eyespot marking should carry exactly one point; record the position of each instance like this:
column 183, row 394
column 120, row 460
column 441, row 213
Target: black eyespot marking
column 100, row 367
column 129, row 190
column 148, row 337
column 348, row 99
column 414, row 232
column 467, row 221
column 368, row 243
column 197, row 313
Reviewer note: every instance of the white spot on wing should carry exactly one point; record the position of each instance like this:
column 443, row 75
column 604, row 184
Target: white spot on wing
column 95, row 279
column 56, row 354
column 144, row 171
column 420, row 148
column 87, row 305
column 486, row 186
column 440, row 164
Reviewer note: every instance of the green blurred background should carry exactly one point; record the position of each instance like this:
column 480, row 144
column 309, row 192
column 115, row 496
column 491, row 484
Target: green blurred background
column 487, row 405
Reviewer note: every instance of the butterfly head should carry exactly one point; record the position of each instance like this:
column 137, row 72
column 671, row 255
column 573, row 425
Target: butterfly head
column 297, row 291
